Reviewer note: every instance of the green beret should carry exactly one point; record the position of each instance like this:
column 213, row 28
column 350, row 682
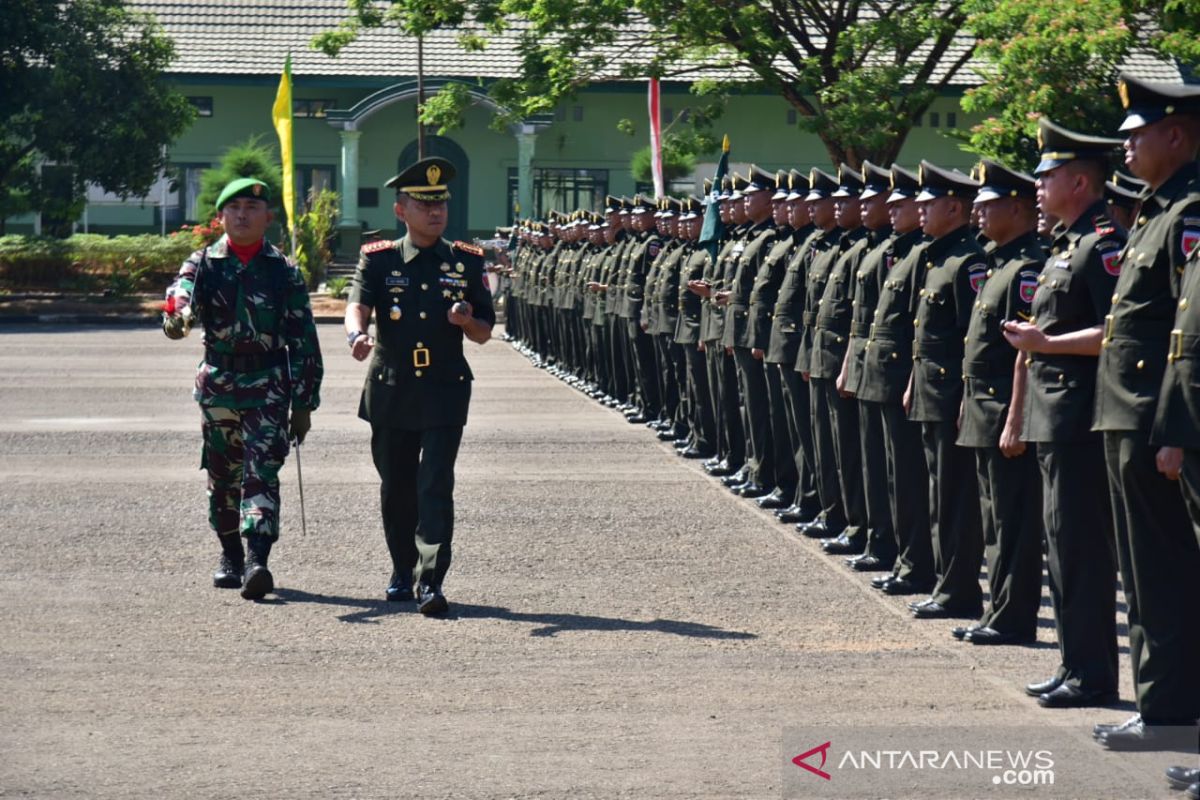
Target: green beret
column 243, row 187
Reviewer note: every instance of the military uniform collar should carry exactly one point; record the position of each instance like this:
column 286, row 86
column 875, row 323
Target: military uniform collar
column 220, row 249
column 878, row 235
column 938, row 247
column 409, row 251
column 1084, row 225
column 1176, row 186
column 1006, row 251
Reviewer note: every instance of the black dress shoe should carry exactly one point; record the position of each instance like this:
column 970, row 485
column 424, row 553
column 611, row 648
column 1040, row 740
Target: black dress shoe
column 901, row 586
column 1182, row 777
column 1043, row 687
column 868, row 563
column 985, row 636
column 399, row 590
column 924, row 601
column 814, row 528
column 636, row 419
column 879, row 581
column 692, row 452
column 961, row 631
column 841, row 546
column 668, row 436
column 1070, row 696
column 1146, row 736
column 935, row 610
column 1193, row 791
column 1101, row 728
column 682, row 444
column 752, row 490
column 431, row 602
column 736, row 479
column 776, row 499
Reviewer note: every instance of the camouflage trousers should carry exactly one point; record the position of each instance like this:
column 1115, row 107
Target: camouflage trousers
column 244, row 450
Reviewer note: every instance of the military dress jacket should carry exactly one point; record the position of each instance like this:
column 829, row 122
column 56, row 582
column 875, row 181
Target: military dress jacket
column 694, row 260
column 1137, row 329
column 764, row 294
column 638, row 261
column 825, row 252
column 743, row 271
column 784, row 339
column 418, row 377
column 714, row 330
column 1074, row 292
column 665, row 293
column 988, row 359
column 1177, row 419
column 865, row 287
column 260, row 343
column 611, row 272
column 831, row 333
column 955, row 269
column 887, row 356
column 587, row 272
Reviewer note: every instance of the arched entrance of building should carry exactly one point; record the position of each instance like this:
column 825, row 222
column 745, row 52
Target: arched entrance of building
column 456, row 226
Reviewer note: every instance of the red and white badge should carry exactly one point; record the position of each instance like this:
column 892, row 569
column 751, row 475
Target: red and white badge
column 1112, row 262
column 1191, row 238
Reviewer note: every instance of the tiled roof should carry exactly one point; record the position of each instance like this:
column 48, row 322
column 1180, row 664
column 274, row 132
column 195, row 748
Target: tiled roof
column 251, row 37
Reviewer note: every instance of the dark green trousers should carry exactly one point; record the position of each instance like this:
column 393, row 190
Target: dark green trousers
column 416, row 469
column 752, row 387
column 1010, row 504
column 781, row 442
column 908, row 496
column 1160, row 564
column 1081, row 561
column 799, row 427
column 825, row 455
column 847, row 450
column 881, row 532
column 954, row 521
column 1190, row 483
column 700, row 406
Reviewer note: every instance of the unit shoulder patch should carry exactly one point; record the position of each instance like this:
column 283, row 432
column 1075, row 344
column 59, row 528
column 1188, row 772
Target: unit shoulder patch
column 467, row 247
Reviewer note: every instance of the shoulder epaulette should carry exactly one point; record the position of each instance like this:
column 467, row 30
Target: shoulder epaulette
column 473, row 249
column 375, row 247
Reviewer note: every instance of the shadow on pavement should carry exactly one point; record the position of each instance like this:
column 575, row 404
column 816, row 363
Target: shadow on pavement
column 550, row 624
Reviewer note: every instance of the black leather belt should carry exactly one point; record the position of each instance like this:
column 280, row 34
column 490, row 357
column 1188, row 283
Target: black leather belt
column 986, row 369
column 891, row 333
column 860, row 330
column 834, row 325
column 1183, row 346
column 933, row 348
column 246, row 362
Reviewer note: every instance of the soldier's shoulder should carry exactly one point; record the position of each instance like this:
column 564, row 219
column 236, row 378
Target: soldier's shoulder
column 379, row 246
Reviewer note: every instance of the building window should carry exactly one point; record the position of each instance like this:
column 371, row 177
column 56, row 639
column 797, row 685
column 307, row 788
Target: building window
column 918, row 120
column 560, row 114
column 791, row 116
column 203, row 106
column 934, row 119
column 951, row 119
column 311, row 108
column 368, row 198
column 577, row 113
column 560, row 189
column 182, row 192
column 311, row 178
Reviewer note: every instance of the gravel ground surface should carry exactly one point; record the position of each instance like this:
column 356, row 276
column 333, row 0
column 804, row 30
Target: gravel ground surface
column 621, row 626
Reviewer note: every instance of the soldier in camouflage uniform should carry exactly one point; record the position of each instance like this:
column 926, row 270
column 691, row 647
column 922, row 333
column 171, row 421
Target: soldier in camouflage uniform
column 261, row 357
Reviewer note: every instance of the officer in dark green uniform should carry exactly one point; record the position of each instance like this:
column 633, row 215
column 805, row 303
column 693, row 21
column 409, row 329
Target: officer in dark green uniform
column 261, row 357
column 887, row 369
column 782, row 347
column 428, row 294
column 867, row 278
column 955, row 268
column 1061, row 342
column 1156, row 550
column 701, row 418
column 837, row 440
column 1009, row 482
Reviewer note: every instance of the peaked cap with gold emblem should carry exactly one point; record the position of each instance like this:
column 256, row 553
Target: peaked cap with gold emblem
column 1059, row 145
column 427, row 180
column 1149, row 101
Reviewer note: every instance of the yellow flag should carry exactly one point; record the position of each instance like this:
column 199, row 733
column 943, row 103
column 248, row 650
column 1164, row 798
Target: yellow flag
column 281, row 115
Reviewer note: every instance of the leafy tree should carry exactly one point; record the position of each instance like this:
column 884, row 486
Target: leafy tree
column 1043, row 59
column 82, row 86
column 1173, row 26
column 248, row 159
column 859, row 73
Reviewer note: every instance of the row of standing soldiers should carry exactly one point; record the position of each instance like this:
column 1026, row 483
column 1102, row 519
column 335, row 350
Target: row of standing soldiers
column 932, row 371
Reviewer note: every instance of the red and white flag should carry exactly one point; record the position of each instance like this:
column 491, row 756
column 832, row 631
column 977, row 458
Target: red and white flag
column 656, row 165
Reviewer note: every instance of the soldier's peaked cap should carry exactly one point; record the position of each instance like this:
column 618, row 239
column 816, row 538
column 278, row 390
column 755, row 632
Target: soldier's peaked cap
column 759, row 181
column 797, row 185
column 427, row 180
column 876, row 180
column 1060, row 146
column 850, row 182
column 243, row 187
column 611, row 204
column 820, row 185
column 1124, row 191
column 905, row 184
column 781, row 185
column 1149, row 101
column 939, row 182
column 726, row 188
column 999, row 181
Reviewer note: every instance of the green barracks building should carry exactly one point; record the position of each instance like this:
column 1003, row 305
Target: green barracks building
column 356, row 122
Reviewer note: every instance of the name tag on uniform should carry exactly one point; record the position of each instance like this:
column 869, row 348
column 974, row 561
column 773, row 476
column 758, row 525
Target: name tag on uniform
column 401, row 281
column 1062, row 263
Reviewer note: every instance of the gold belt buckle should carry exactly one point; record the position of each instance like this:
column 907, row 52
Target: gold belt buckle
column 1176, row 350
column 1109, row 324
column 421, row 357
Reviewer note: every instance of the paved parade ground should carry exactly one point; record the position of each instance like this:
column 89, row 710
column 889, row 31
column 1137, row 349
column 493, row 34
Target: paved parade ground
column 621, row 626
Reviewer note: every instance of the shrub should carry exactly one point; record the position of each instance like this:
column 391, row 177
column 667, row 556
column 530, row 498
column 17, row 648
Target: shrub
column 90, row 262
column 338, row 287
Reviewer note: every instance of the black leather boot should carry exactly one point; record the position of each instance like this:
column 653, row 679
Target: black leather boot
column 257, row 580
column 233, row 561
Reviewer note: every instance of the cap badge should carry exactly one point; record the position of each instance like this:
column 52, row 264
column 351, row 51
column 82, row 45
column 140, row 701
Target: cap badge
column 1123, row 90
column 432, row 174
column 256, row 189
